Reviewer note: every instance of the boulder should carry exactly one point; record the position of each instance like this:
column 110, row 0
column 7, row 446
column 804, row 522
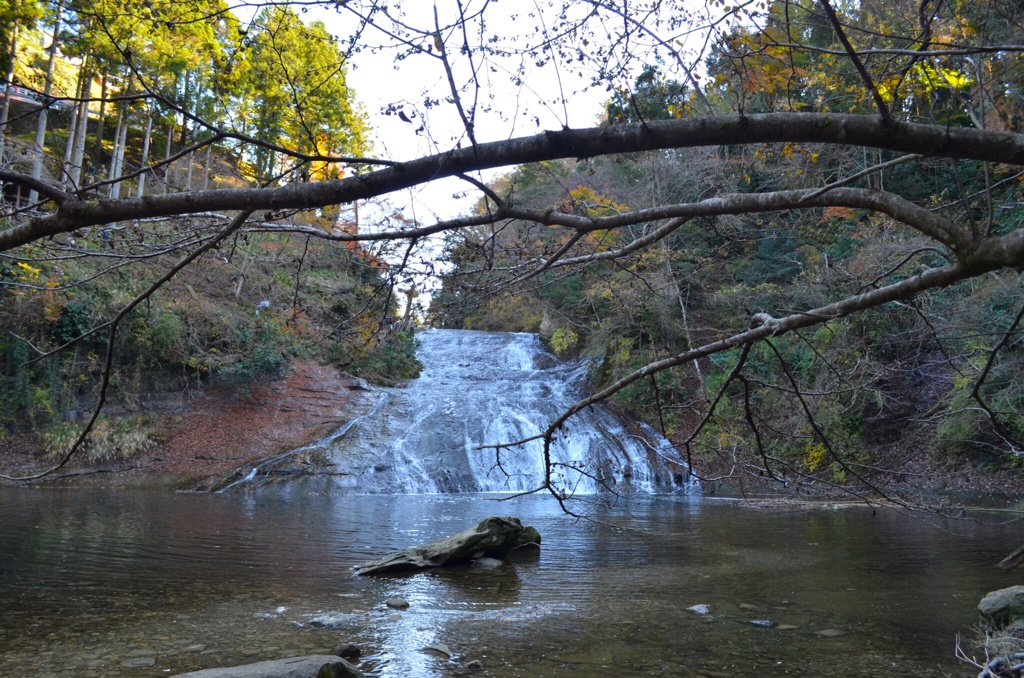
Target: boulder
column 528, row 537
column 493, row 538
column 310, row 666
column 1001, row 608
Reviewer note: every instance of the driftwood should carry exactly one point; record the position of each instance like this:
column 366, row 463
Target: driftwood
column 1012, row 561
column 493, row 538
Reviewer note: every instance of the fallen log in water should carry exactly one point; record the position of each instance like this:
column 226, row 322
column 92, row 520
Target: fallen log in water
column 492, row 538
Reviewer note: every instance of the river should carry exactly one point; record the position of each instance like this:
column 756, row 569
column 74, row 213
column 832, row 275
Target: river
column 103, row 583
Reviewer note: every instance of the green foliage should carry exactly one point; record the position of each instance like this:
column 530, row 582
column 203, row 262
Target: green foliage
column 393, row 358
column 653, row 97
column 74, row 321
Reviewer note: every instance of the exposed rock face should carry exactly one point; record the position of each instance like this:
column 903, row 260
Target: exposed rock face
column 493, row 538
column 1001, row 608
column 311, row 666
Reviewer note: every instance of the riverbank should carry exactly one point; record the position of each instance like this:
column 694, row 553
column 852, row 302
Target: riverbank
column 220, row 429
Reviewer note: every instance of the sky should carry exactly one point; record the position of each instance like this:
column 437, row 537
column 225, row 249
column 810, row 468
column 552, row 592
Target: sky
column 380, row 81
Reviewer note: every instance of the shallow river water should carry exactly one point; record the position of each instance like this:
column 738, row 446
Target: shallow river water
column 149, row 583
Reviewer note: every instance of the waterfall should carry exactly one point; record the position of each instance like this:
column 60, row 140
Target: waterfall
column 487, row 388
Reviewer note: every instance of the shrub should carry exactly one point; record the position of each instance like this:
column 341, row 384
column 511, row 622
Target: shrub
column 108, row 440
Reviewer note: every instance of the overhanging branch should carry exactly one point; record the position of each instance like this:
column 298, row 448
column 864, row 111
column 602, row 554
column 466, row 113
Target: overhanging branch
column 857, row 130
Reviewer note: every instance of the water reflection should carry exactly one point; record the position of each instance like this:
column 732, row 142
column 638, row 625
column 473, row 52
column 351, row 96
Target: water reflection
column 102, row 583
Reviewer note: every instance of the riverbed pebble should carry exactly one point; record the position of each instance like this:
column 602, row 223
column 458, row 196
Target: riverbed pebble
column 397, row 603
column 334, row 620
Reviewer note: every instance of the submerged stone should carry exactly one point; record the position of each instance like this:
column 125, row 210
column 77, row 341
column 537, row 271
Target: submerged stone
column 487, row 563
column 332, row 621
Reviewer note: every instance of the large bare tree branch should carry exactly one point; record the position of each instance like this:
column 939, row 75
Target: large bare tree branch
column 927, row 140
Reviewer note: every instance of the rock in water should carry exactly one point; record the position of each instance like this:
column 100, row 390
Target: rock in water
column 1000, row 608
column 335, row 620
column 493, row 538
column 311, row 666
column 438, row 650
column 348, row 651
column 528, row 537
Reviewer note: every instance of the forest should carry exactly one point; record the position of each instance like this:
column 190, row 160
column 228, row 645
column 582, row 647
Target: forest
column 786, row 233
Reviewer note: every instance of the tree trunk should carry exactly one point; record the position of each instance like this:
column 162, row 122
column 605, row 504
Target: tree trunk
column 145, row 155
column 75, row 128
column 5, row 108
column 167, row 155
column 120, row 141
column 37, row 160
column 188, row 172
column 78, row 158
column 183, row 137
column 97, row 153
column 206, row 167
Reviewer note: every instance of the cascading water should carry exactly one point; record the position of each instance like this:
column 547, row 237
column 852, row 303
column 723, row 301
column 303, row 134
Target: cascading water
column 481, row 389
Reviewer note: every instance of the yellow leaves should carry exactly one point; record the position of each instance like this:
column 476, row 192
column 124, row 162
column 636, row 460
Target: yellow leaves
column 28, row 273
column 814, row 456
column 564, row 340
column 587, row 202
